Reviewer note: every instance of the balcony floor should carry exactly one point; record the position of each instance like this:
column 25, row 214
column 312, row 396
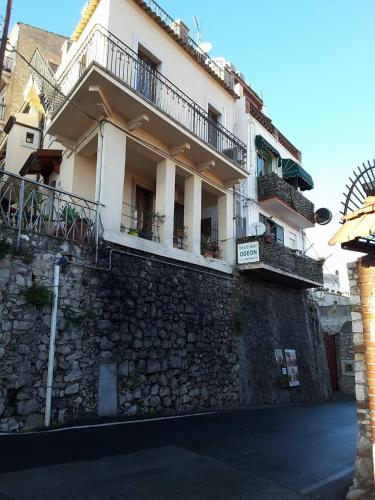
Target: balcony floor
column 265, row 272
column 71, row 123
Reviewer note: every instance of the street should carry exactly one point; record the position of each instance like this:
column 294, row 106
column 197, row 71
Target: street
column 294, row 452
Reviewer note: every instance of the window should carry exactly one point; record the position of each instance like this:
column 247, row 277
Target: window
column 213, row 120
column 292, row 241
column 264, row 163
column 147, row 76
column 2, row 105
column 30, row 138
column 347, row 367
column 273, row 228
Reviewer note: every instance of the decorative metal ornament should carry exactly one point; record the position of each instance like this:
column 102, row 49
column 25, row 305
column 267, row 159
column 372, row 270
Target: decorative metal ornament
column 361, row 187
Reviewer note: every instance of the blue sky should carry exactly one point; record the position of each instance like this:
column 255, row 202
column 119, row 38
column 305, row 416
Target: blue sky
column 312, row 60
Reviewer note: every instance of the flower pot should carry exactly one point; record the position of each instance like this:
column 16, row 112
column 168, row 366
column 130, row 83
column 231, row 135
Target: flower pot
column 269, row 238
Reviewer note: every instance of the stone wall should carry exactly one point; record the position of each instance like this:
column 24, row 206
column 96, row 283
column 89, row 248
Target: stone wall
column 364, row 475
column 148, row 336
column 275, row 317
column 335, row 319
column 167, row 330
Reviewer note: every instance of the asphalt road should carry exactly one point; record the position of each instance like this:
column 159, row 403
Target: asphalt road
column 291, row 453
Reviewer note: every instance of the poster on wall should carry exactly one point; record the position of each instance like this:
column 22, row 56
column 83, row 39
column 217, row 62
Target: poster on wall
column 292, row 368
column 282, row 374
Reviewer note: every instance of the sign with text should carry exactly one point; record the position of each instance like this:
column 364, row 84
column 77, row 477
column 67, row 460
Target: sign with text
column 248, row 252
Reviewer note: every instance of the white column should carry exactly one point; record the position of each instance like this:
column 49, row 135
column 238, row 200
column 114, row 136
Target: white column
column 226, row 226
column 110, row 175
column 193, row 213
column 165, row 197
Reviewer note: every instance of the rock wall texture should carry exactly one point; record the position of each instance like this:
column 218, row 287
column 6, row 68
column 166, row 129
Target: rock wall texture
column 279, row 318
column 364, row 472
column 147, row 336
column 335, row 319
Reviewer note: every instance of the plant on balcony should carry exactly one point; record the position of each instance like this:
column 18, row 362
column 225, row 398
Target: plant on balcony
column 76, row 227
column 209, row 248
column 321, row 261
column 269, row 238
column 158, row 217
column 133, row 232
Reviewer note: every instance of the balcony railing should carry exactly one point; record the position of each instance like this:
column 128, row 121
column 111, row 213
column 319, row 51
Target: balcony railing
column 273, row 186
column 31, row 207
column 293, row 262
column 107, row 51
column 191, row 43
column 141, row 223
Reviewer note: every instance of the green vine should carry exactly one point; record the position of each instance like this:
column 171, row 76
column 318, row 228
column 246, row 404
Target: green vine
column 37, row 295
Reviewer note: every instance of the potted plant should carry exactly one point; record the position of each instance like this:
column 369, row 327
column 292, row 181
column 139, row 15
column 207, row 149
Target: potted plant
column 210, row 248
column 133, row 232
column 69, row 223
column 269, row 238
column 321, row 261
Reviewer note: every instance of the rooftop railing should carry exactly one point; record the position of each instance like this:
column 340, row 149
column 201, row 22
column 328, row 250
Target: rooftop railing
column 192, row 44
column 30, row 207
column 107, row 51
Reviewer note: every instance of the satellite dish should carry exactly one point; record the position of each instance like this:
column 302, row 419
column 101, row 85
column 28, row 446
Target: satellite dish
column 320, row 294
column 323, row 216
column 205, row 47
column 257, row 229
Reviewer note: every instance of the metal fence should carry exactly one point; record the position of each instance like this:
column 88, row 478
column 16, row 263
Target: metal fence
column 141, row 223
column 31, row 207
column 107, row 51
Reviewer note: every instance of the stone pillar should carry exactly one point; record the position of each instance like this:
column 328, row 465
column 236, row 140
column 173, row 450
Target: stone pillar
column 226, row 226
column 362, row 301
column 165, row 198
column 110, row 175
column 193, row 213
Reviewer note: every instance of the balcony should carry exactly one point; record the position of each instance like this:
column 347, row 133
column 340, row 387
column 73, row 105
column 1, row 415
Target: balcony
column 133, row 89
column 276, row 196
column 280, row 264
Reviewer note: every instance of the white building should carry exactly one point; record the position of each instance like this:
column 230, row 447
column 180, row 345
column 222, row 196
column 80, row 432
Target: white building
column 142, row 121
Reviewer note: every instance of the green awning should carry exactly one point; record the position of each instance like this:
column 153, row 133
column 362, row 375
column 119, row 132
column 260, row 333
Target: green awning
column 292, row 169
column 261, row 143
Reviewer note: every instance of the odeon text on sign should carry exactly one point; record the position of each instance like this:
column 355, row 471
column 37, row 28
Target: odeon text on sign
column 248, row 252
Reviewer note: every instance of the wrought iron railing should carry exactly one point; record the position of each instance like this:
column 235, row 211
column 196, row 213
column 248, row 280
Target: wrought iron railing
column 31, row 207
column 107, row 51
column 141, row 223
column 210, row 244
column 44, row 80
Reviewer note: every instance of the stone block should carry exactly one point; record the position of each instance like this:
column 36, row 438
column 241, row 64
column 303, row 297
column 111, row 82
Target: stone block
column 72, row 389
column 27, row 407
column 34, row 422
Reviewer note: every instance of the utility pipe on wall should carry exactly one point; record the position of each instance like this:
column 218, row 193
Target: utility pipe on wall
column 52, row 340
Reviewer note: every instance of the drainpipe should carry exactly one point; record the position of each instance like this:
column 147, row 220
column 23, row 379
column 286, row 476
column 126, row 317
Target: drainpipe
column 366, row 272
column 52, row 340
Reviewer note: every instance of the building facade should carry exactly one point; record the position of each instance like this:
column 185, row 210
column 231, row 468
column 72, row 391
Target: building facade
column 161, row 160
column 13, row 92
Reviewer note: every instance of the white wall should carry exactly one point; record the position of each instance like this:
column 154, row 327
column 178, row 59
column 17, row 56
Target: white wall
column 134, row 27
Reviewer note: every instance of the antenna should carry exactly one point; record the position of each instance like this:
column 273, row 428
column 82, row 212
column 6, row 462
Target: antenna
column 198, row 34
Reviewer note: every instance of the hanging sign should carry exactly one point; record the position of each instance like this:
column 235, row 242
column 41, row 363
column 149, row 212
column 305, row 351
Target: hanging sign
column 248, row 252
